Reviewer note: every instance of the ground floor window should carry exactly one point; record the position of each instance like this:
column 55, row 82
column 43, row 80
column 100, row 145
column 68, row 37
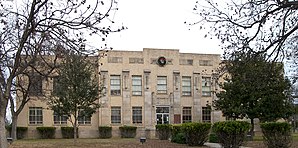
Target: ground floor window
column 60, row 119
column 83, row 119
column 115, row 115
column 35, row 115
column 186, row 114
column 137, row 115
column 162, row 115
column 206, row 114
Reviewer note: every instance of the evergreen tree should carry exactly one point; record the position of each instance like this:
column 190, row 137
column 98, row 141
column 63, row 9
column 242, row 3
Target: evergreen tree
column 77, row 92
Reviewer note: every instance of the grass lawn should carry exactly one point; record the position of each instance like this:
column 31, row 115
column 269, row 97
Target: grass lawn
column 90, row 143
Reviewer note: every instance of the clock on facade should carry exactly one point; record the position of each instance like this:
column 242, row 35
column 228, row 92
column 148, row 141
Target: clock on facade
column 162, row 61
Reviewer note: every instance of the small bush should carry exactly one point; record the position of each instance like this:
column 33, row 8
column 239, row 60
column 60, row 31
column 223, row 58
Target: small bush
column 277, row 134
column 20, row 131
column 177, row 135
column 68, row 132
column 196, row 134
column 105, row 132
column 231, row 133
column 163, row 131
column 128, row 131
column 213, row 138
column 46, row 132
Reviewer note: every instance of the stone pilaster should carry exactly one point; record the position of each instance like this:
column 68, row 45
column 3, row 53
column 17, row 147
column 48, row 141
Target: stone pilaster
column 126, row 98
column 197, row 116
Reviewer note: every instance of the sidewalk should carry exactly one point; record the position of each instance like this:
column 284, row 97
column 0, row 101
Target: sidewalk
column 217, row 145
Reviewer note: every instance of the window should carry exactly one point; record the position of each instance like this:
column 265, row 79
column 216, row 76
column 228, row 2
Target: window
column 205, row 63
column 35, row 115
column 136, row 85
column 136, row 61
column 206, row 86
column 83, row 118
column 186, row 114
column 115, row 85
column 55, row 84
column 185, row 61
column 115, row 59
column 136, row 114
column 35, row 88
column 115, row 115
column 206, row 114
column 161, row 84
column 186, row 86
column 60, row 119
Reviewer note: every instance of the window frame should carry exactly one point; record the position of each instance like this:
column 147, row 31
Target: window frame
column 160, row 86
column 116, row 118
column 206, row 114
column 35, row 88
column 206, row 84
column 82, row 119
column 137, row 115
column 62, row 119
column 37, row 117
column 138, row 91
column 186, row 89
column 115, row 88
column 186, row 114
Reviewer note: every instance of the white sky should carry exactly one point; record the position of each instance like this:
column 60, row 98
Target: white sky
column 160, row 24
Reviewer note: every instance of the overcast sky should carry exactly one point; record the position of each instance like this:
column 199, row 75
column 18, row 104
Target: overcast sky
column 160, row 24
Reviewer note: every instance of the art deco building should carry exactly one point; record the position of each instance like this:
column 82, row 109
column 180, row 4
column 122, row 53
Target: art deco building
column 142, row 88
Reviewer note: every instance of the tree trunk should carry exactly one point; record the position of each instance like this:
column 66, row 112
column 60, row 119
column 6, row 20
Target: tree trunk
column 3, row 140
column 251, row 132
column 14, row 126
column 75, row 130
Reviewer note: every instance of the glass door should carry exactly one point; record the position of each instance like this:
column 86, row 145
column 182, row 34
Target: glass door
column 162, row 115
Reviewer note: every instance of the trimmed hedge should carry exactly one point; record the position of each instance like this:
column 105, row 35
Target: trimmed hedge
column 196, row 134
column 20, row 131
column 67, row 132
column 128, row 131
column 277, row 134
column 46, row 132
column 231, row 133
column 177, row 135
column 105, row 132
column 163, row 131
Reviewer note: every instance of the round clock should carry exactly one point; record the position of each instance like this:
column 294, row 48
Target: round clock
column 161, row 61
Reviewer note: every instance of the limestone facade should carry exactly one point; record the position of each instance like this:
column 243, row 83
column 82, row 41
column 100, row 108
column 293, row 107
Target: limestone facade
column 142, row 88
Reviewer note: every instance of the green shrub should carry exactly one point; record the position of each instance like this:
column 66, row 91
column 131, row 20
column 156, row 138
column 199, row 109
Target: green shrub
column 105, row 132
column 128, row 131
column 277, row 134
column 46, row 132
column 68, row 132
column 177, row 135
column 231, row 133
column 196, row 134
column 213, row 138
column 20, row 131
column 163, row 131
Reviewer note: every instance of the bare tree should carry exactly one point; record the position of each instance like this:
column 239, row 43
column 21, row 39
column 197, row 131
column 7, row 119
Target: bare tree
column 260, row 26
column 33, row 29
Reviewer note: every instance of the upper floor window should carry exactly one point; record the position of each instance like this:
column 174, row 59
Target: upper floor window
column 116, row 114
column 115, row 59
column 185, row 61
column 137, row 85
column 55, row 84
column 136, row 114
column 161, row 84
column 83, row 118
column 35, row 115
column 136, row 61
column 60, row 119
column 115, row 85
column 35, row 88
column 206, row 86
column 205, row 63
column 186, row 86
column 186, row 117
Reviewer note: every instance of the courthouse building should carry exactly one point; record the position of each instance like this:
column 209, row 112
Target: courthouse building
column 142, row 88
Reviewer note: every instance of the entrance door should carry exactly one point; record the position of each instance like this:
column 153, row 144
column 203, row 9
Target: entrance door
column 162, row 115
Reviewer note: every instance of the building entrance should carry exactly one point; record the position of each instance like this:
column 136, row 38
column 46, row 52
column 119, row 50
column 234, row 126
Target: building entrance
column 162, row 115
